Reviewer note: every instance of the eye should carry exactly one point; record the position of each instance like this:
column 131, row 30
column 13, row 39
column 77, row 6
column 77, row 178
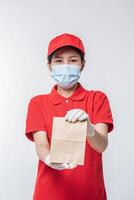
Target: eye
column 74, row 60
column 58, row 60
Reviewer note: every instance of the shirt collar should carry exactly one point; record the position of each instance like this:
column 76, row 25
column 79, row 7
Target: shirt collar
column 77, row 95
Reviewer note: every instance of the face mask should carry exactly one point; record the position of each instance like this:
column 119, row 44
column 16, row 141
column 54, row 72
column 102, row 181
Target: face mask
column 66, row 75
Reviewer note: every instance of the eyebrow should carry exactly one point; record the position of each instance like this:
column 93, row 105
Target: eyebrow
column 73, row 56
column 55, row 56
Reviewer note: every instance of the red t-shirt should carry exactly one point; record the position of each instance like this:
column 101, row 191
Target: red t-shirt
column 85, row 182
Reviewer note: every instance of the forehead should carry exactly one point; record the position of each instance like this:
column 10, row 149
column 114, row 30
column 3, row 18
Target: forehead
column 67, row 50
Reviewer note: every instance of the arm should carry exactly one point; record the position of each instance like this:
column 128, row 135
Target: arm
column 41, row 144
column 43, row 148
column 97, row 135
column 99, row 141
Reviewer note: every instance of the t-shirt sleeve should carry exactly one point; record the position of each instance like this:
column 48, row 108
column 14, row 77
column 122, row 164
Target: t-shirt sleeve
column 34, row 119
column 102, row 111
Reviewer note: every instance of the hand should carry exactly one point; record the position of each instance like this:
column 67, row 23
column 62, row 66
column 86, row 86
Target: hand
column 80, row 115
column 58, row 166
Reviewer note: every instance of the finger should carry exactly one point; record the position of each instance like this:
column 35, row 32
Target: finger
column 77, row 116
column 57, row 167
column 72, row 166
column 68, row 113
column 65, row 165
column 83, row 117
column 72, row 114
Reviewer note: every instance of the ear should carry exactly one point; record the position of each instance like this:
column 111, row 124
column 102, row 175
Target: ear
column 83, row 64
column 49, row 66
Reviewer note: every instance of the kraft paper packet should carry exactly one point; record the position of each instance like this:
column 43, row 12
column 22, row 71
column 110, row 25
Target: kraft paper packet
column 68, row 141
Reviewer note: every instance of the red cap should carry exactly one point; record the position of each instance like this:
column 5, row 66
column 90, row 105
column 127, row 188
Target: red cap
column 65, row 39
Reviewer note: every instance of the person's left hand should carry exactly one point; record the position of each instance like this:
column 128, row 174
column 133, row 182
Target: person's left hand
column 80, row 115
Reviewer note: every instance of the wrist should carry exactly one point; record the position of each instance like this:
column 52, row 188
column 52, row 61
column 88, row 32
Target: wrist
column 91, row 131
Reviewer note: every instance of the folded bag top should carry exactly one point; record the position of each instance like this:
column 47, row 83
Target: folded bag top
column 71, row 131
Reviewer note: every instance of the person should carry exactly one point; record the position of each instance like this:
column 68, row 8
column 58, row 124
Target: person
column 69, row 99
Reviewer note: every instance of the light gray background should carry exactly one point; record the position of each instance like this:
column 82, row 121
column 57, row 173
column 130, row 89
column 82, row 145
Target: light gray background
column 107, row 30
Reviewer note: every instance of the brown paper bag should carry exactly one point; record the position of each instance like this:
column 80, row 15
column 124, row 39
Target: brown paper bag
column 68, row 141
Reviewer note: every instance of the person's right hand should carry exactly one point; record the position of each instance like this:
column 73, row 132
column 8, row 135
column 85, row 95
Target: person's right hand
column 58, row 166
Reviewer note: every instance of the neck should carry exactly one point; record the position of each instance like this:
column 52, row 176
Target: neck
column 66, row 92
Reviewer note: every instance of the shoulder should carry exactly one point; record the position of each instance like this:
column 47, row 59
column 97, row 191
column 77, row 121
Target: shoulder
column 37, row 102
column 38, row 98
column 97, row 94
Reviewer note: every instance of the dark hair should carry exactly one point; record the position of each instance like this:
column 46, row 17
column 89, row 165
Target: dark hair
column 49, row 58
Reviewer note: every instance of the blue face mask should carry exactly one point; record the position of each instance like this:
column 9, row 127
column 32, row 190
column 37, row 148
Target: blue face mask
column 66, row 75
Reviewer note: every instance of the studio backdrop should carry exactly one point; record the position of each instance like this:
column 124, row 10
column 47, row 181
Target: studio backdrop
column 107, row 31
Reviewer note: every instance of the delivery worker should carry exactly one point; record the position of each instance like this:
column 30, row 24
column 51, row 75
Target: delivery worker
column 69, row 99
